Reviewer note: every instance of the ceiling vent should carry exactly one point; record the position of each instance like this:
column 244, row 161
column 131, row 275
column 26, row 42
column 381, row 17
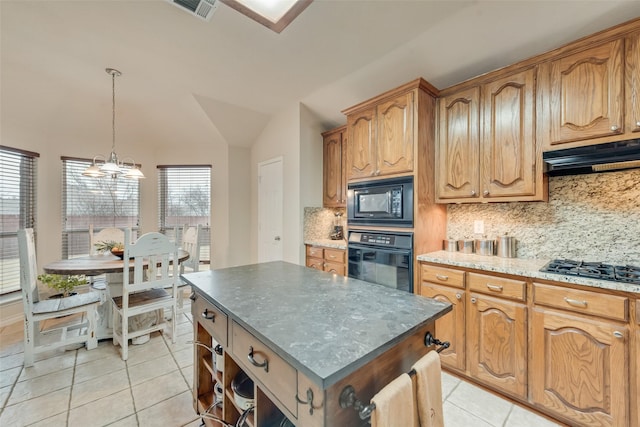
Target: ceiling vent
column 203, row 9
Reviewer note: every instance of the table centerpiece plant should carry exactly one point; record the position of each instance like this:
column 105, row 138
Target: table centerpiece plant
column 116, row 248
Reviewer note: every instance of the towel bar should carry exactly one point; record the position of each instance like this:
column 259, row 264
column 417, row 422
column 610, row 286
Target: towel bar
column 348, row 395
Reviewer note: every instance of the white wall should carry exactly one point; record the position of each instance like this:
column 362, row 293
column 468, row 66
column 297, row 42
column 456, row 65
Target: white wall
column 239, row 211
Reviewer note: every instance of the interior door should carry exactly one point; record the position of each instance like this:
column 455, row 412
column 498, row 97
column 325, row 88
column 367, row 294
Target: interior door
column 270, row 210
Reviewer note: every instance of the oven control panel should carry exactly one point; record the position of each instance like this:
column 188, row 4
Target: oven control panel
column 378, row 239
column 387, row 240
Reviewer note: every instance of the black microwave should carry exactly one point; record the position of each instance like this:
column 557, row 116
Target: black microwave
column 387, row 202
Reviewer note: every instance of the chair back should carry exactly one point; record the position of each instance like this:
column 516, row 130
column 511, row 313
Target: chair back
column 158, row 252
column 191, row 243
column 109, row 234
column 28, row 269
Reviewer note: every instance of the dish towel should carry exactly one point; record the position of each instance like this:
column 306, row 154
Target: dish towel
column 395, row 404
column 429, row 390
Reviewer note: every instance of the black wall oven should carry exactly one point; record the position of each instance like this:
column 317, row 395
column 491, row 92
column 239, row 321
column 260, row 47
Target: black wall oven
column 385, row 258
column 387, row 202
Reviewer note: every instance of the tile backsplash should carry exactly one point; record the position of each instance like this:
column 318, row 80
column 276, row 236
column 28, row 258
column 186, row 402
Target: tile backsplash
column 594, row 217
column 318, row 222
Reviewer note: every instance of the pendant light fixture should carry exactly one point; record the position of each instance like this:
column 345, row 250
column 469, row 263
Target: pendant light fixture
column 111, row 166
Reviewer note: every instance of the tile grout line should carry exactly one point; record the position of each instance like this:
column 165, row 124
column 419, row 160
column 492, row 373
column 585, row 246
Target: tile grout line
column 506, row 420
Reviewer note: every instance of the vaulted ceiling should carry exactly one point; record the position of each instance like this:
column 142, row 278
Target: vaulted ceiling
column 337, row 53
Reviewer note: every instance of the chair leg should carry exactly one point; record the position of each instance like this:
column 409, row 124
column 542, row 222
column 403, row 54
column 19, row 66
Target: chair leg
column 92, row 317
column 124, row 345
column 28, row 342
column 173, row 323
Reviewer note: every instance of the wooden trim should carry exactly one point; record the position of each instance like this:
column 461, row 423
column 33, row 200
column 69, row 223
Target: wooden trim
column 278, row 26
column 342, row 128
column 418, row 83
column 19, row 151
column 575, row 46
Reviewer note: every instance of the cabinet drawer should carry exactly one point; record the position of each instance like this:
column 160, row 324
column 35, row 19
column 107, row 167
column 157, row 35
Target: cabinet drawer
column 442, row 275
column 211, row 318
column 334, row 255
column 581, row 301
column 498, row 286
column 313, row 251
column 316, row 263
column 277, row 376
column 333, row 267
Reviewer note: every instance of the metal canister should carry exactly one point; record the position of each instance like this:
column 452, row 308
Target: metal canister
column 506, row 246
column 465, row 246
column 450, row 245
column 485, row 246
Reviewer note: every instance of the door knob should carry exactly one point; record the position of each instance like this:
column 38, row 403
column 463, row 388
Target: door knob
column 277, row 238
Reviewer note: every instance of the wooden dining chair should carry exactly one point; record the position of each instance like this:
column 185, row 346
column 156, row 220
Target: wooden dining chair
column 75, row 316
column 190, row 242
column 109, row 234
column 150, row 287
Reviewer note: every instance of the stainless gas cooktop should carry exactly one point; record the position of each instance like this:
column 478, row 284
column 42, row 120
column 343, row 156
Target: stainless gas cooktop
column 595, row 270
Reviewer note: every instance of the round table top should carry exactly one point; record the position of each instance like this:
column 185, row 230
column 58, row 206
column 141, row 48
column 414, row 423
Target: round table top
column 93, row 265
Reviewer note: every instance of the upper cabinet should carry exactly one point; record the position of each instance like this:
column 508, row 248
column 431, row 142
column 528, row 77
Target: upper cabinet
column 632, row 82
column 585, row 94
column 592, row 96
column 487, row 150
column 381, row 138
column 334, row 182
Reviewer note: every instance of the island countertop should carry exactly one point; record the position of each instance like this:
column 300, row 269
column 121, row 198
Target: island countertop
column 326, row 326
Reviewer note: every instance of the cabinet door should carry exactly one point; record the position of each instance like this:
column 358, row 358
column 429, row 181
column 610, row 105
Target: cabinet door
column 457, row 149
column 632, row 78
column 508, row 144
column 332, row 191
column 580, row 369
column 497, row 343
column 587, row 94
column 450, row 327
column 361, row 150
column 394, row 140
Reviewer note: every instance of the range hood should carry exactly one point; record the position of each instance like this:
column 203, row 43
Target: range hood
column 593, row 158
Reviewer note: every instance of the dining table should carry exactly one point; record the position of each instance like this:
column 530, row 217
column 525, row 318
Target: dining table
column 112, row 267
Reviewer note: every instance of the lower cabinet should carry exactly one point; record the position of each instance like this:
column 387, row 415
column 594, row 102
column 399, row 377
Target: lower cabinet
column 567, row 352
column 580, row 366
column 331, row 260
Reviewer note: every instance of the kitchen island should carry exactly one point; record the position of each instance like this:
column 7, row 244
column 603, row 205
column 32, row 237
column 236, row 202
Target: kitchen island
column 303, row 336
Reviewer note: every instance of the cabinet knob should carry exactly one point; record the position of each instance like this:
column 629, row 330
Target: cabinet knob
column 458, row 296
column 378, row 172
column 485, row 193
column 638, row 124
column 618, row 334
column 615, row 128
column 473, row 193
column 473, row 300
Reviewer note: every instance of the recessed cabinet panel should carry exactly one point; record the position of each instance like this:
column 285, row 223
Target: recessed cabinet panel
column 508, row 145
column 395, row 135
column 580, row 368
column 457, row 151
column 632, row 85
column 361, row 150
column 587, row 94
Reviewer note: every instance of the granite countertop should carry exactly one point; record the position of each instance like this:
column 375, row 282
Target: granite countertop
column 519, row 267
column 324, row 325
column 327, row 243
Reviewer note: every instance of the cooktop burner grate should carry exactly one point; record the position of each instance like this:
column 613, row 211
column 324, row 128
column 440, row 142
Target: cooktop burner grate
column 595, row 270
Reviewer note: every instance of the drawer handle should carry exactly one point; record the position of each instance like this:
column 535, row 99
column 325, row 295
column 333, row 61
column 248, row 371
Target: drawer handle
column 441, row 277
column 494, row 288
column 618, row 334
column 209, row 315
column 332, row 256
column 309, row 401
column 575, row 302
column 193, row 296
column 255, row 363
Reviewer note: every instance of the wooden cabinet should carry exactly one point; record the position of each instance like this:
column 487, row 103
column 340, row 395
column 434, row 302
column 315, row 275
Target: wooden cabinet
column 326, row 259
column 458, row 146
column 487, row 151
column 497, row 333
column 334, row 183
column 447, row 285
column 381, row 138
column 632, row 83
column 580, row 364
column 585, row 96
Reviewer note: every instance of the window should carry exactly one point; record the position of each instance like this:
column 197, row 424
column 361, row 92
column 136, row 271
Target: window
column 17, row 210
column 184, row 196
column 103, row 202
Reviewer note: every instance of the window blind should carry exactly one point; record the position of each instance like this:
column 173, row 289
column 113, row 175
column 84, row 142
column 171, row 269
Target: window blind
column 103, row 202
column 184, row 197
column 17, row 210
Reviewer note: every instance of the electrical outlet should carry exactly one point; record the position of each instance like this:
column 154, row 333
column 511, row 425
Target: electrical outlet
column 478, row 226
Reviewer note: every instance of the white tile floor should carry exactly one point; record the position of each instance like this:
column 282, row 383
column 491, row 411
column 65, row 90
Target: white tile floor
column 82, row 388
